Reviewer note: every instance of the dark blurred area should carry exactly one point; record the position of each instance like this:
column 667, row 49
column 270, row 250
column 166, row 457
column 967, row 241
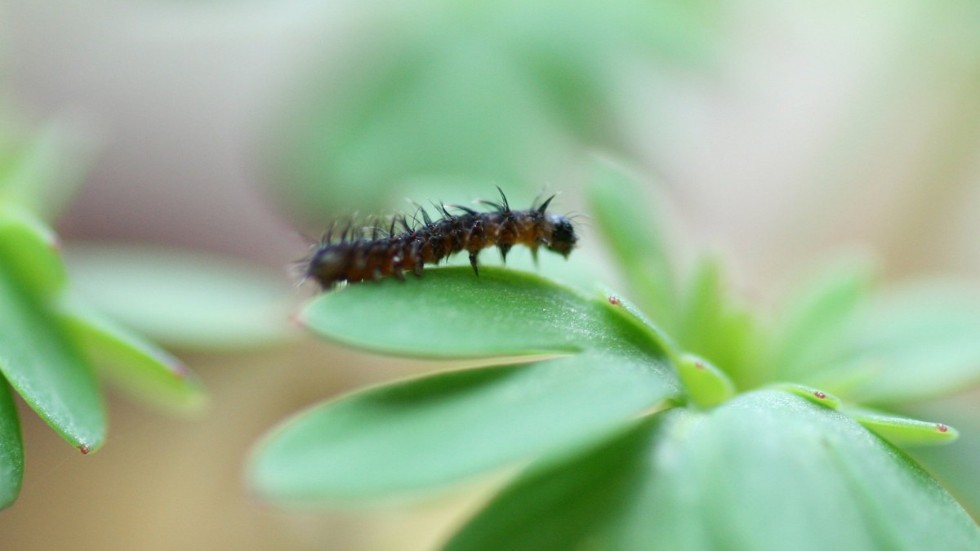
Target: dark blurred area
column 780, row 132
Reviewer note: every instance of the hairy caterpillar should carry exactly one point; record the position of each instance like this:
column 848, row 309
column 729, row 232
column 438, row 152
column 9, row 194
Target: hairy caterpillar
column 378, row 252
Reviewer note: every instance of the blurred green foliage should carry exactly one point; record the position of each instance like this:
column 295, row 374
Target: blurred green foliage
column 51, row 342
column 453, row 97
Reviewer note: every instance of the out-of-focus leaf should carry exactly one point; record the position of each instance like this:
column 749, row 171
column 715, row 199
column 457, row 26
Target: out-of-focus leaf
column 492, row 92
column 185, row 299
column 665, row 31
column 133, row 363
column 11, row 449
column 916, row 342
column 568, row 73
column 717, row 330
column 438, row 429
column 29, row 249
column 633, row 235
column 452, row 106
column 42, row 172
column 904, row 431
column 46, row 370
column 767, row 470
column 812, row 331
column 452, row 313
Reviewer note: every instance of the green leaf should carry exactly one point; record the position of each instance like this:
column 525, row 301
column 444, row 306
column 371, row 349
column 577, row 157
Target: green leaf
column 712, row 327
column 815, row 395
column 767, row 470
column 904, row 431
column 452, row 313
column 631, row 230
column 917, row 341
column 191, row 300
column 136, row 365
column 706, row 385
column 29, row 248
column 11, row 448
column 559, row 504
column 630, row 312
column 955, row 465
column 441, row 428
column 46, row 370
column 812, row 330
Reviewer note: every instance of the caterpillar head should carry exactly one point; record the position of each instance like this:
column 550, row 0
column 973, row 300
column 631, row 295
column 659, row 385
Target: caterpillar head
column 561, row 238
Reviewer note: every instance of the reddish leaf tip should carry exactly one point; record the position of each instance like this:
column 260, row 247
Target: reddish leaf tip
column 84, row 449
column 178, row 369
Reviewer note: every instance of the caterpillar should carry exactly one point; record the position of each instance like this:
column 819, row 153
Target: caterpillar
column 378, row 252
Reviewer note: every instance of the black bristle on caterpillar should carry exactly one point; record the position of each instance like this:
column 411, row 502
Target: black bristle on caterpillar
column 380, row 251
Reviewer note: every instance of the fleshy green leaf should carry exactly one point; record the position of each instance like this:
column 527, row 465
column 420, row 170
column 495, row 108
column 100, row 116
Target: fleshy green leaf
column 135, row 364
column 451, row 313
column 46, row 370
column 11, row 449
column 916, row 342
column 561, row 504
column 633, row 235
column 903, row 431
column 767, row 470
column 629, row 311
column 182, row 298
column 29, row 248
column 438, row 429
column 815, row 395
column 706, row 385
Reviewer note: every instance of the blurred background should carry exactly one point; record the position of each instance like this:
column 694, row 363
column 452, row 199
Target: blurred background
column 204, row 139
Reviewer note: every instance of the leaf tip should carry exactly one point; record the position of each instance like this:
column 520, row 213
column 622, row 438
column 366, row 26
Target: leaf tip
column 813, row 395
column 706, row 385
column 904, row 431
column 178, row 369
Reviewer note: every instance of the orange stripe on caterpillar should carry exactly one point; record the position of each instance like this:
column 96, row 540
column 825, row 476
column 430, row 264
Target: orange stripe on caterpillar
column 381, row 252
